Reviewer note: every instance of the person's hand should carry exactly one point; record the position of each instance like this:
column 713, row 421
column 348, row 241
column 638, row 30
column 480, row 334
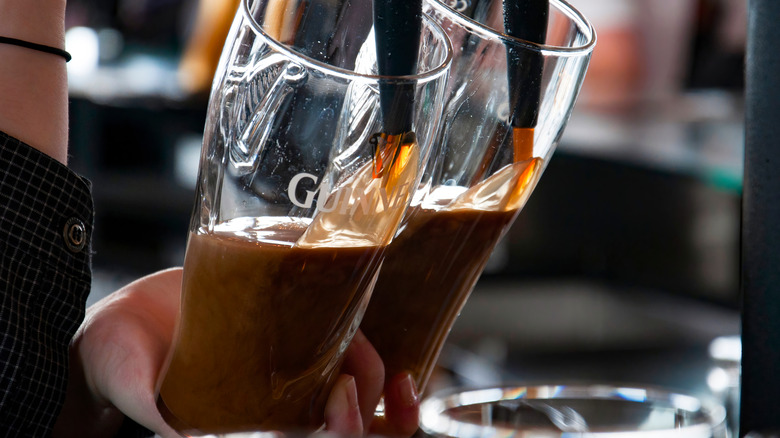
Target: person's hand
column 116, row 356
column 118, row 353
column 354, row 398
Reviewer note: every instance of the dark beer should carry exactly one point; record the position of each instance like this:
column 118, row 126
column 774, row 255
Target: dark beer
column 263, row 328
column 432, row 266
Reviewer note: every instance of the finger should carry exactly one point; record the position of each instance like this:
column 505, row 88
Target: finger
column 363, row 362
column 402, row 408
column 129, row 381
column 342, row 411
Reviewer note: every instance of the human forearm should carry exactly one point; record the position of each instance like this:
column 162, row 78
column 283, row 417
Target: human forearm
column 40, row 21
column 33, row 84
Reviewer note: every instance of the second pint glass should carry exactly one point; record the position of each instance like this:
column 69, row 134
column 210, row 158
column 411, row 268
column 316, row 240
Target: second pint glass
column 481, row 172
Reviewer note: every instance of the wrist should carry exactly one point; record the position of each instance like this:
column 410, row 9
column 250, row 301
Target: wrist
column 33, row 85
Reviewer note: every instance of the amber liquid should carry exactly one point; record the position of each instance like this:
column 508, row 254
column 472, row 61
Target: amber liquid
column 429, row 272
column 262, row 330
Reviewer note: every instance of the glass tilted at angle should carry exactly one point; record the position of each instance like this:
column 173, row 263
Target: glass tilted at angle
column 299, row 192
column 482, row 170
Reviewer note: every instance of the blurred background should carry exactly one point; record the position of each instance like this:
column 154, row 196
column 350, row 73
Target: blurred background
column 624, row 265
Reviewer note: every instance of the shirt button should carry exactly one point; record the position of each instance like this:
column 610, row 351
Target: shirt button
column 75, row 234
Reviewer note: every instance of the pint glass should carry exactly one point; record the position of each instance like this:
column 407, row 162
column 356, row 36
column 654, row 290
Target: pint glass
column 594, row 410
column 299, row 193
column 479, row 176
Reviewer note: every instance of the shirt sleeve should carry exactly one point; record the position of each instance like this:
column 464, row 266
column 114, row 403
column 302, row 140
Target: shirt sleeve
column 46, row 219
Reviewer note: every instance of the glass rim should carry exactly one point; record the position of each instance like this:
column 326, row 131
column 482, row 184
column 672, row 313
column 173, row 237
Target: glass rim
column 438, row 402
column 582, row 23
column 429, row 75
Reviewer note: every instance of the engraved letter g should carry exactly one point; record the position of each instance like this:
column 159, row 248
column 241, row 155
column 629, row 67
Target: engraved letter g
column 293, row 186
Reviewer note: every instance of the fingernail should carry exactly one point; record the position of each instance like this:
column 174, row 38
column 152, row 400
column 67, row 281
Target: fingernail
column 407, row 391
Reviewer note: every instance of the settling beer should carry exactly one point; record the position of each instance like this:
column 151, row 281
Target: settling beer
column 261, row 325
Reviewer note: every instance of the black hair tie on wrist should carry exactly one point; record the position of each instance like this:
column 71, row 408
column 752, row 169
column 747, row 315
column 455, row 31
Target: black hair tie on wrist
column 35, row 46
